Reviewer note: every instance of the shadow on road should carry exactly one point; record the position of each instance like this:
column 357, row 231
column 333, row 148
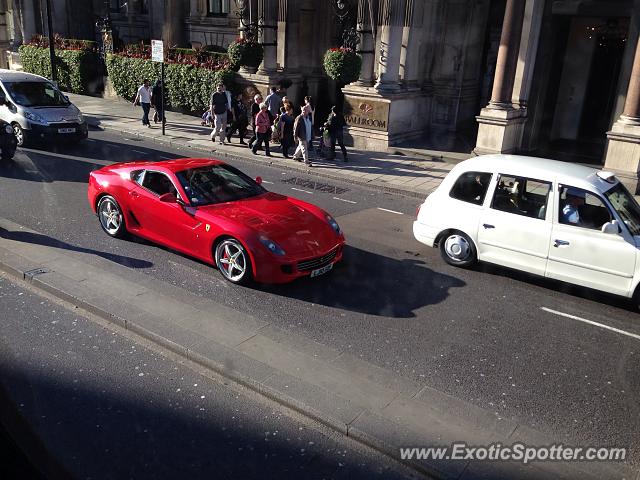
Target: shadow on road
column 39, row 239
column 373, row 284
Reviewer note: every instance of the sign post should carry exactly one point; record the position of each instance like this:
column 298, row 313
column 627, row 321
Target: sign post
column 157, row 55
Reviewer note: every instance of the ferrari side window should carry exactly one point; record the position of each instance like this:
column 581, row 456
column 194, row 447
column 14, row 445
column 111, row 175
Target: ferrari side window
column 158, row 183
column 137, row 176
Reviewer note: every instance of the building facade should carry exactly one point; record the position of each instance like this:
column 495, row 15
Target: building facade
column 556, row 78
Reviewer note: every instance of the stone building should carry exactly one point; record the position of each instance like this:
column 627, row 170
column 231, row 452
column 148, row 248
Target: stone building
column 557, row 78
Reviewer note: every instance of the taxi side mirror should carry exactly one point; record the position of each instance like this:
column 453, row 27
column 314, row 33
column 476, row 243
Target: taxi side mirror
column 611, row 227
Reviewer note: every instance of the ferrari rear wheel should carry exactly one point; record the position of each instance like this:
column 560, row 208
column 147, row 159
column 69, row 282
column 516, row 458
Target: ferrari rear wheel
column 233, row 261
column 111, row 218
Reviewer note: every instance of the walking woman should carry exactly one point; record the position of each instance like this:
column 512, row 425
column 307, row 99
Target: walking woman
column 308, row 104
column 263, row 130
column 158, row 102
column 336, row 126
column 240, row 119
column 255, row 109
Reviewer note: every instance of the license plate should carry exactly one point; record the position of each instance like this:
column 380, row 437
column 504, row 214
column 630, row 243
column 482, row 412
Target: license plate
column 66, row 130
column 321, row 271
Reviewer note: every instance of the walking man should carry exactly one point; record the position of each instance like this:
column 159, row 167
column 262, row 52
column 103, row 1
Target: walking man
column 143, row 97
column 240, row 119
column 273, row 102
column 302, row 131
column 219, row 105
column 336, row 124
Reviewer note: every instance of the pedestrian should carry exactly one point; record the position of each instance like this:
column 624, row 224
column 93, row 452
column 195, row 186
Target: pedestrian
column 157, row 101
column 286, row 103
column 219, row 106
column 240, row 120
column 255, row 109
column 273, row 101
column 143, row 97
column 286, row 131
column 308, row 102
column 336, row 124
column 263, row 130
column 302, row 132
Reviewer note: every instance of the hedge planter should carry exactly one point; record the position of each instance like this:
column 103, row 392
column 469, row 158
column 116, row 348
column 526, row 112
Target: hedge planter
column 78, row 71
column 245, row 53
column 187, row 87
column 342, row 65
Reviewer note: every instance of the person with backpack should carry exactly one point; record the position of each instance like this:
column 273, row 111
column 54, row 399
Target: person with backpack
column 335, row 124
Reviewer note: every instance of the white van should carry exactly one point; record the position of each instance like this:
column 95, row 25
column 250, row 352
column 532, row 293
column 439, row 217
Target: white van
column 37, row 110
column 554, row 219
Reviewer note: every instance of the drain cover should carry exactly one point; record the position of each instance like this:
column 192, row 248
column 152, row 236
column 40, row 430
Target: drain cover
column 313, row 185
column 36, row 271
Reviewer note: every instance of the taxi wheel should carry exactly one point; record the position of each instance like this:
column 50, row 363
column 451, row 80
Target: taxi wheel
column 233, row 261
column 457, row 249
column 111, row 217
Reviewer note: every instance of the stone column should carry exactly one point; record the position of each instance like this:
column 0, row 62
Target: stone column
column 507, row 55
column 411, row 40
column 268, row 27
column 623, row 147
column 501, row 122
column 367, row 11
column 392, row 13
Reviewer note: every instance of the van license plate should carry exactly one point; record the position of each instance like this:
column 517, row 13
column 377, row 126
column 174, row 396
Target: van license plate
column 66, row 130
column 320, row 271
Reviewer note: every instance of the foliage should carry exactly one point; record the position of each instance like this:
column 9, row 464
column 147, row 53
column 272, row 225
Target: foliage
column 187, row 87
column 63, row 43
column 78, row 69
column 245, row 52
column 187, row 56
column 342, row 65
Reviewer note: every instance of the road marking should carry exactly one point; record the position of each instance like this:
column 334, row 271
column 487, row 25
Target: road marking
column 267, row 181
column 300, row 190
column 344, row 200
column 166, row 158
column 390, row 211
column 138, row 151
column 590, row 322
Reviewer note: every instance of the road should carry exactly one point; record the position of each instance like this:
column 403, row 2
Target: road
column 105, row 407
column 490, row 336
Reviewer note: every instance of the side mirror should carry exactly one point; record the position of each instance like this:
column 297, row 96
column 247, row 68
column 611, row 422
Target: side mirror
column 168, row 198
column 259, row 180
column 611, row 227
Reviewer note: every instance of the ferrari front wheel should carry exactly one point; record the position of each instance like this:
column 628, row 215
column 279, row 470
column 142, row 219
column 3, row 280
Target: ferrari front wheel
column 110, row 216
column 233, row 261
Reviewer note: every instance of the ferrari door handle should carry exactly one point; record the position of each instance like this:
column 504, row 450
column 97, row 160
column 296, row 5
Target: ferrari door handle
column 134, row 194
column 560, row 243
column 486, row 225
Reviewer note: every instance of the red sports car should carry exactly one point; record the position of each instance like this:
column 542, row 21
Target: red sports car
column 214, row 212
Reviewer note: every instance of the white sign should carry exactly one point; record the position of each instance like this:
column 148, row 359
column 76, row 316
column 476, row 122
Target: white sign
column 157, row 51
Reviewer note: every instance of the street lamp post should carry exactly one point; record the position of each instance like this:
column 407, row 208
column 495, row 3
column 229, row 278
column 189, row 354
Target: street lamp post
column 52, row 51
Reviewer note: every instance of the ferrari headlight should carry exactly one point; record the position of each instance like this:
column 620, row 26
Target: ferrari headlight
column 272, row 246
column 34, row 117
column 8, row 129
column 333, row 223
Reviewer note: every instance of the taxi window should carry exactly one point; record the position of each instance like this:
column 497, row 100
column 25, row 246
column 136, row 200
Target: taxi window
column 581, row 208
column 522, row 196
column 471, row 187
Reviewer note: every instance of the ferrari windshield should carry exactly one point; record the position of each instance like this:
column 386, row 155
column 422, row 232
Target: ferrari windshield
column 217, row 184
column 626, row 206
column 36, row 94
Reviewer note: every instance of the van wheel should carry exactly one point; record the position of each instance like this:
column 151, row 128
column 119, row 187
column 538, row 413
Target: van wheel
column 19, row 133
column 457, row 249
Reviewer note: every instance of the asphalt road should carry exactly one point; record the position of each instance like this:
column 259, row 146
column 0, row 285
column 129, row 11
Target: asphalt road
column 104, row 407
column 481, row 335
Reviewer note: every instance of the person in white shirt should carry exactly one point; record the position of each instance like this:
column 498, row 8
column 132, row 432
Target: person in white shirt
column 143, row 97
column 303, row 131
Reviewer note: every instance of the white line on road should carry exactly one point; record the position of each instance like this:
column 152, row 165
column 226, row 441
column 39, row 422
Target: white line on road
column 344, row 200
column 138, row 151
column 267, row 181
column 390, row 211
column 590, row 322
column 166, row 158
column 300, row 190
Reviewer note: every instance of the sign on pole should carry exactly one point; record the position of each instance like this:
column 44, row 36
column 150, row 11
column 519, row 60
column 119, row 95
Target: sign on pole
column 157, row 51
column 157, row 55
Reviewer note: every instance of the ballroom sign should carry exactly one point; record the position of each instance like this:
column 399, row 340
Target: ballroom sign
column 366, row 113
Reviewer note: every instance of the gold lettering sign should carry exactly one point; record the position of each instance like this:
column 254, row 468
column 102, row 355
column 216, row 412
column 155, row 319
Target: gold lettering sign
column 366, row 113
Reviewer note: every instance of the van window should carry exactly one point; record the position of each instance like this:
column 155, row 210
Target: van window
column 522, row 196
column 471, row 187
column 35, row 94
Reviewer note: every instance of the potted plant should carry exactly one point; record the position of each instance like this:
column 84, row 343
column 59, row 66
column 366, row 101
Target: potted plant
column 245, row 53
column 342, row 65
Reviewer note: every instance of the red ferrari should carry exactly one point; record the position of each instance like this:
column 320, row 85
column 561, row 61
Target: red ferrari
column 214, row 212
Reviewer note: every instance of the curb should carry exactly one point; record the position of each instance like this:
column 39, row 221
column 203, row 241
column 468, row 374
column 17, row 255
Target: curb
column 290, row 166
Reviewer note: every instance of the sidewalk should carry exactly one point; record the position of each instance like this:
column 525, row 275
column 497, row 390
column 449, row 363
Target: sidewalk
column 408, row 174
column 370, row 404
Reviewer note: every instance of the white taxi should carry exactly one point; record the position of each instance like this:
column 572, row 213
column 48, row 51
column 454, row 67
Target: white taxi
column 550, row 218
